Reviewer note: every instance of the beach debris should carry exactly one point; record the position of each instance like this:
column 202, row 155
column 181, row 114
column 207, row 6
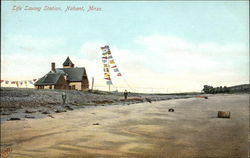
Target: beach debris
column 223, row 114
column 59, row 111
column 96, row 124
column 14, row 118
column 149, row 100
column 29, row 111
column 69, row 108
column 205, row 97
column 45, row 112
column 171, row 110
column 53, row 103
column 28, row 116
column 51, row 116
column 103, row 102
column 136, row 99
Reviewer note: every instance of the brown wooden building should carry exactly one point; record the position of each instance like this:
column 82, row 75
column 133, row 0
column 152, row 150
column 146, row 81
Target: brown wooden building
column 68, row 77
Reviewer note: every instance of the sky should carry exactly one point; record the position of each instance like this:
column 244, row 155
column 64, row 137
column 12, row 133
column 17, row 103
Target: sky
column 158, row 46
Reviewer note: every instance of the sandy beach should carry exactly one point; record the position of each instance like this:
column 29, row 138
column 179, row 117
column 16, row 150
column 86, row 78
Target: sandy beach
column 142, row 130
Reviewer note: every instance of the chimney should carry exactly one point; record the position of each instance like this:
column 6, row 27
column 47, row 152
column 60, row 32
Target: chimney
column 53, row 67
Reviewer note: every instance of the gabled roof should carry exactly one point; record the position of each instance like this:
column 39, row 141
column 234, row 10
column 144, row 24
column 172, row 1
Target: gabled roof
column 49, row 79
column 74, row 74
column 68, row 62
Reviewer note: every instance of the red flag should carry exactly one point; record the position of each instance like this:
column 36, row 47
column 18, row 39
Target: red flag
column 107, row 78
column 119, row 74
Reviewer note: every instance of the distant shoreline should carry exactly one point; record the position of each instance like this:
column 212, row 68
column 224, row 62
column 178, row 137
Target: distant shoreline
column 20, row 103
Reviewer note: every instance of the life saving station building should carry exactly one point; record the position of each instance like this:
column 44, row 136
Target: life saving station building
column 68, row 77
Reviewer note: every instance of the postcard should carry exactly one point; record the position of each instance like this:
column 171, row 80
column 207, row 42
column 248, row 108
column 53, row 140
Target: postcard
column 124, row 79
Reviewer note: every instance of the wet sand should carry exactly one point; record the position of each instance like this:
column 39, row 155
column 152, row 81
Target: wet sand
column 141, row 130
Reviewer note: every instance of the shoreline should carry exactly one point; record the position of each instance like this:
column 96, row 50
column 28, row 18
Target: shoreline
column 18, row 104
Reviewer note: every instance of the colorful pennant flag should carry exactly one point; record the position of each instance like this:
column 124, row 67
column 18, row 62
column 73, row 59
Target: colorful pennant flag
column 106, row 75
column 19, row 82
column 111, row 62
column 106, row 70
column 108, row 78
column 105, row 65
column 116, row 70
column 105, row 49
column 109, row 82
column 108, row 60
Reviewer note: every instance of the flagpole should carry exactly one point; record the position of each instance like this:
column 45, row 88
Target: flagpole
column 92, row 83
column 108, row 68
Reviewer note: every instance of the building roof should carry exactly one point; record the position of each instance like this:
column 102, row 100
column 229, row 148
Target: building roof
column 68, row 62
column 74, row 74
column 49, row 79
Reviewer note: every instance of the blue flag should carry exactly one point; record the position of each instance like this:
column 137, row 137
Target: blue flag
column 116, row 70
column 109, row 82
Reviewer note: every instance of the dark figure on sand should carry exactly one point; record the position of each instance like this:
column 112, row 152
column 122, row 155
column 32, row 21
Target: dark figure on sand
column 125, row 94
column 64, row 97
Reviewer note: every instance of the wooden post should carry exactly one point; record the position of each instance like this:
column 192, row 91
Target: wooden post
column 109, row 87
column 92, row 84
column 222, row 114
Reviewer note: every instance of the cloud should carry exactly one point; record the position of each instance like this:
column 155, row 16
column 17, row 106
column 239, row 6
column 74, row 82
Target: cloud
column 27, row 44
column 166, row 63
column 92, row 50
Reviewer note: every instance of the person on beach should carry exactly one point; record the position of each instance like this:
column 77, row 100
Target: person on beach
column 64, row 97
column 125, row 94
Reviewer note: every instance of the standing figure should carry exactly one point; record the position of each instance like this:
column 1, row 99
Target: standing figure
column 125, row 94
column 64, row 97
